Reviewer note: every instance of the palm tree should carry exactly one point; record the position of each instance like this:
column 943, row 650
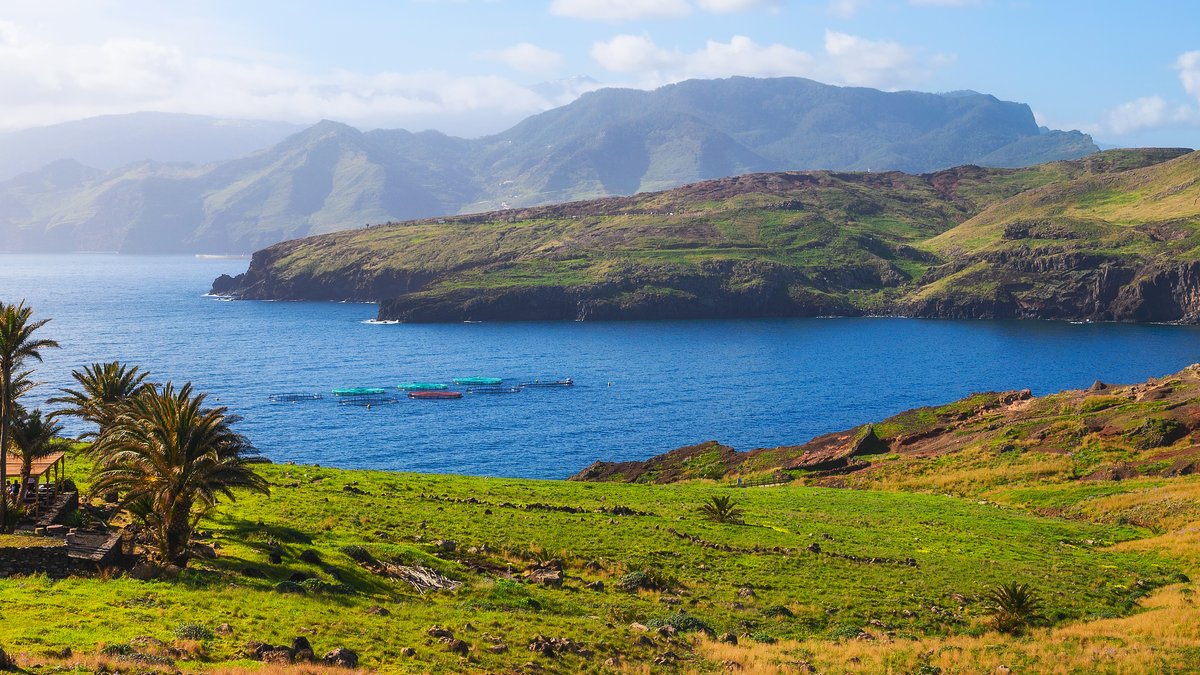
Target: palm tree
column 34, row 436
column 103, row 387
column 721, row 509
column 17, row 346
column 1014, row 607
column 172, row 457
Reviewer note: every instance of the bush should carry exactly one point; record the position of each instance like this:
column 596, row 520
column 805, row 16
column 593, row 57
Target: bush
column 645, row 580
column 778, row 611
column 193, row 631
column 288, row 587
column 1015, row 607
column 764, row 638
column 358, row 554
column 684, row 623
column 322, row 586
column 721, row 509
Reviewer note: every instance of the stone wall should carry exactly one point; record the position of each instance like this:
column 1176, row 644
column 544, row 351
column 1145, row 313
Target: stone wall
column 51, row 560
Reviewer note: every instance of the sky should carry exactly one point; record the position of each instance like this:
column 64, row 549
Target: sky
column 1126, row 72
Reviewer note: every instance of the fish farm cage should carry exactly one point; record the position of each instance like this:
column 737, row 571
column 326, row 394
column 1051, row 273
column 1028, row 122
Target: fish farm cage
column 294, row 398
column 368, row 399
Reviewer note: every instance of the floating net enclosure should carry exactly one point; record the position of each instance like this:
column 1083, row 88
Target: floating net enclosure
column 294, row 398
column 368, row 399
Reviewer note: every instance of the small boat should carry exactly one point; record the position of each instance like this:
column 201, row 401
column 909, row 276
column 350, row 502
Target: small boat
column 358, row 391
column 422, row 386
column 434, row 395
column 493, row 390
column 293, row 398
column 478, row 380
column 566, row 382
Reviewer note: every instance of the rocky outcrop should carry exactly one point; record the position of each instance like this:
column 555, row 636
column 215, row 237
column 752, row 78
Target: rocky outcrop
column 1059, row 285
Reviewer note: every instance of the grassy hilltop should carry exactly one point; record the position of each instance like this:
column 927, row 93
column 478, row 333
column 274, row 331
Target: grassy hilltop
column 558, row 576
column 1109, row 237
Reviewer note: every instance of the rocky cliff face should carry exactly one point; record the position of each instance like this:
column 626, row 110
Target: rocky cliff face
column 1049, row 284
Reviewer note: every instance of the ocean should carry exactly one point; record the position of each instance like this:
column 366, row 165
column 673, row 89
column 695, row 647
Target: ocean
column 641, row 388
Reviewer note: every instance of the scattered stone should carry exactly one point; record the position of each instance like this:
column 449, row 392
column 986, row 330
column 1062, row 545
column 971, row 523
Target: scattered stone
column 278, row 656
column 731, row 665
column 378, row 611
column 498, row 648
column 470, row 627
column 408, row 651
column 300, row 577
column 353, row 490
column 457, row 646
column 310, row 556
column 670, row 600
column 592, row 566
column 145, row 642
column 640, row 627
column 545, row 577
column 445, row 545
column 643, row 641
column 666, row 631
column 552, row 647
column 275, row 558
column 204, row 551
column 1002, row 669
column 341, row 656
column 595, row 586
column 814, row 547
column 746, row 592
column 302, row 650
column 253, row 573
column 224, row 629
column 727, row 638
column 439, row 632
column 144, row 572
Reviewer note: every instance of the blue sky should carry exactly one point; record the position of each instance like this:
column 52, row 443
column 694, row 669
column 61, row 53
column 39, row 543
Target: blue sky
column 1128, row 73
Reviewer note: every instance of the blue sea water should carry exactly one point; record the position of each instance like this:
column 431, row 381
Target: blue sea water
column 642, row 387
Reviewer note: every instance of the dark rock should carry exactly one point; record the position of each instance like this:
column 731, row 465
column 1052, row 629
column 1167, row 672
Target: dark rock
column 341, row 656
column 814, row 547
column 299, row 577
column 439, row 632
column 746, row 592
column 498, row 648
column 595, row 586
column 275, row 558
column 377, row 610
column 727, row 638
column 253, row 573
column 277, row 656
column 302, row 650
column 224, row 629
column 311, row 556
column 445, row 545
column 204, row 551
column 408, row 651
column 457, row 646
column 1098, row 386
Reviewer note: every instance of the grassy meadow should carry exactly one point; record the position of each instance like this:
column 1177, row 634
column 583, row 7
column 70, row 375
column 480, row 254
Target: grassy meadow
column 894, row 581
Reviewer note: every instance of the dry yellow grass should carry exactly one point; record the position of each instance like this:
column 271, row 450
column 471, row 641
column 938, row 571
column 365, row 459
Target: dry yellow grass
column 1164, row 637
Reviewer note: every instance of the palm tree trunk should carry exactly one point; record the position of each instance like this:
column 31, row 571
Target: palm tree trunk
column 5, row 414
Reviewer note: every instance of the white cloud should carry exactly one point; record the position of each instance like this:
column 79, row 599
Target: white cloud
column 528, row 58
column 620, row 10
column 847, row 59
column 846, row 9
column 1188, row 65
column 1148, row 111
column 46, row 80
column 730, row 6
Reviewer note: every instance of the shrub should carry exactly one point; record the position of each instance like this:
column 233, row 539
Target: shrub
column 778, row 611
column 764, row 638
column 193, row 631
column 1015, row 607
column 648, row 580
column 321, row 586
column 288, row 587
column 358, row 554
column 684, row 623
column 721, row 509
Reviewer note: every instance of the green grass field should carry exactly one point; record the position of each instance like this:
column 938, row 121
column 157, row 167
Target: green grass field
column 861, row 578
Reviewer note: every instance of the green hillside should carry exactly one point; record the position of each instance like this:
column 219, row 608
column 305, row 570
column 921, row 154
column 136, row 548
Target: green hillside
column 784, row 244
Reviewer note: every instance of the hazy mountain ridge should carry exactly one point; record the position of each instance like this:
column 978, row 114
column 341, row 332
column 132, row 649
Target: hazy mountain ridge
column 608, row 142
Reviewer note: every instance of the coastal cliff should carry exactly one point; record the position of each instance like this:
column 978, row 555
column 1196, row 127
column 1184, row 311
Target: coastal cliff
column 1105, row 432
column 1113, row 237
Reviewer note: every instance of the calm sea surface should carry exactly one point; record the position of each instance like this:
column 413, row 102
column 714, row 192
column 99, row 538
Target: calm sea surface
column 642, row 387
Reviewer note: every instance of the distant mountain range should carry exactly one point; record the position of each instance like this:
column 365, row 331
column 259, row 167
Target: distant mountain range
column 333, row 177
